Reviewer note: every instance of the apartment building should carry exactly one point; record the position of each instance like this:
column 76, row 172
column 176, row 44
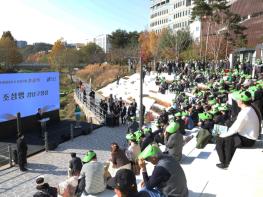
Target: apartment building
column 160, row 16
column 173, row 14
column 103, row 42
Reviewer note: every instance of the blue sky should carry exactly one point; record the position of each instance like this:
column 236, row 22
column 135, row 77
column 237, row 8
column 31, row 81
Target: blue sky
column 74, row 20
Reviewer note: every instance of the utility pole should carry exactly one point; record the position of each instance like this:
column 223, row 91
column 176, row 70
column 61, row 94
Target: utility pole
column 141, row 89
column 141, row 92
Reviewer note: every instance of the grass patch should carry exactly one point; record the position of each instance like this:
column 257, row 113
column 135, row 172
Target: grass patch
column 102, row 74
column 67, row 103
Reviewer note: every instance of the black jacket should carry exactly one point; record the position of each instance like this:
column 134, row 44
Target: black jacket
column 149, row 139
column 75, row 164
column 21, row 146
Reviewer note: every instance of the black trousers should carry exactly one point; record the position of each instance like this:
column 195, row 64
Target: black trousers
column 22, row 159
column 226, row 147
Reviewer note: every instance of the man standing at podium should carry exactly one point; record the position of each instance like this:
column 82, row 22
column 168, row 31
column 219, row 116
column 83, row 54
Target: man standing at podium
column 39, row 116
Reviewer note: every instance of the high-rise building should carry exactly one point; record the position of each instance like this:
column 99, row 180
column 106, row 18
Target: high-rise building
column 181, row 14
column 176, row 15
column 160, row 15
column 173, row 14
column 103, row 42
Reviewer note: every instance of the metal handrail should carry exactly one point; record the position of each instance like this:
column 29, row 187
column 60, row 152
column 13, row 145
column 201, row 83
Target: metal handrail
column 94, row 108
column 6, row 152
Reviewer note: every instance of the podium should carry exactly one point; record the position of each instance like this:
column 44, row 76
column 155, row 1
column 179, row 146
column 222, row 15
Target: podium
column 43, row 122
column 77, row 116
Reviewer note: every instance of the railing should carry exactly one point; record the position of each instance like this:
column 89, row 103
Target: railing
column 91, row 105
column 6, row 155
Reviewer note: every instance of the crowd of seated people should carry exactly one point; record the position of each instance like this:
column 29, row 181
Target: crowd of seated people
column 229, row 98
column 225, row 97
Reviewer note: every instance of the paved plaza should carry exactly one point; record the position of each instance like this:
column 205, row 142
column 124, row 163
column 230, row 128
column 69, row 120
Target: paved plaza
column 203, row 177
column 54, row 164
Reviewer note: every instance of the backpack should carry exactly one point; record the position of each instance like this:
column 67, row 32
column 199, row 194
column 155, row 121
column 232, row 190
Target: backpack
column 81, row 186
column 202, row 138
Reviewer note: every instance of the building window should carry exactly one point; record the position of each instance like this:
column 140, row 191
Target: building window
column 188, row 3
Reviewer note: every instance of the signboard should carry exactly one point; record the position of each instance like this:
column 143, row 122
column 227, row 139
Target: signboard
column 26, row 92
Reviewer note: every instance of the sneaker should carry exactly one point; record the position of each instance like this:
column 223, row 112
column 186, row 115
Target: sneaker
column 222, row 165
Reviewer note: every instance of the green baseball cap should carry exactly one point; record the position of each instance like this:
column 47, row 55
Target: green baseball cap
column 178, row 114
column 138, row 134
column 212, row 102
column 205, row 116
column 223, row 108
column 185, row 113
column 147, row 130
column 252, row 90
column 149, row 151
column 172, row 127
column 130, row 136
column 222, row 91
column 89, row 156
column 242, row 96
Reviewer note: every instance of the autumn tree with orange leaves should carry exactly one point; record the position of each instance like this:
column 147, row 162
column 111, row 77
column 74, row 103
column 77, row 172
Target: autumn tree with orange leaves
column 149, row 46
column 56, row 56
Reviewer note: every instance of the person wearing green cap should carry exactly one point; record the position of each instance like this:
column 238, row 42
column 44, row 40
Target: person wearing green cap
column 219, row 115
column 93, row 173
column 206, row 121
column 168, row 176
column 146, row 130
column 133, row 149
column 243, row 132
column 174, row 140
